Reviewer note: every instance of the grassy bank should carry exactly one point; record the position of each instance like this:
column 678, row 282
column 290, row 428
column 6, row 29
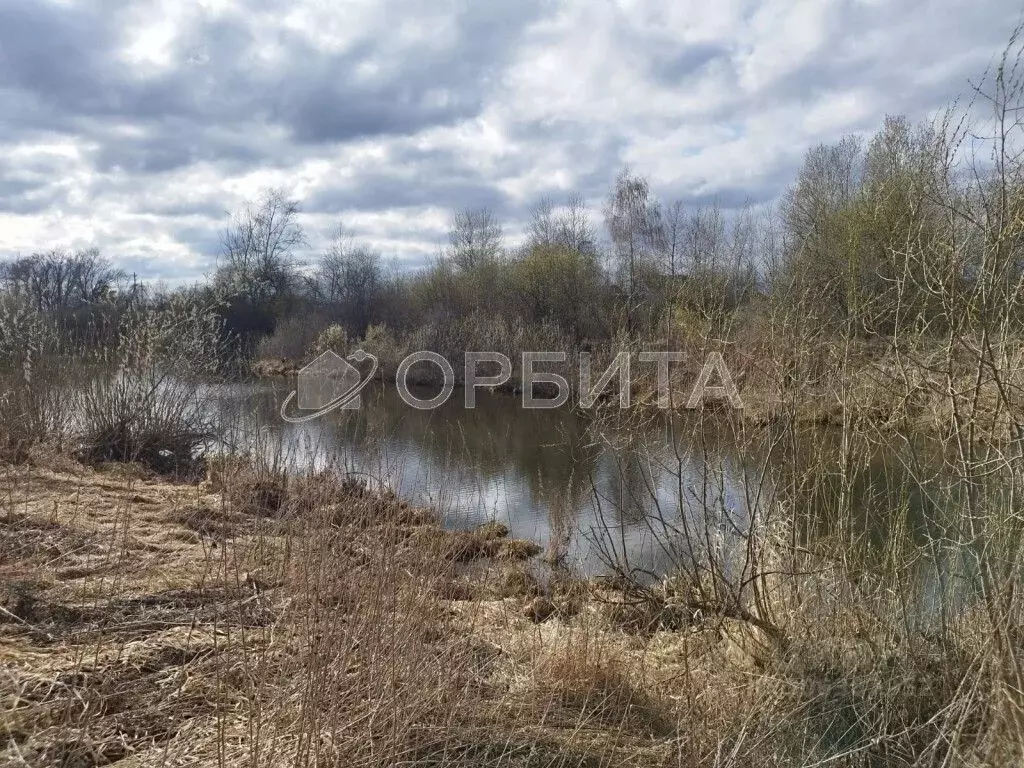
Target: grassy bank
column 258, row 619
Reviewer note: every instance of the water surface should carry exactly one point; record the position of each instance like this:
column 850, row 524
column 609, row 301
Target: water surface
column 593, row 489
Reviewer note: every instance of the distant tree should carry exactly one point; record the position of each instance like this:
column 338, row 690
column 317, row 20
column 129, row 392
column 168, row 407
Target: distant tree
column 569, row 227
column 348, row 281
column 60, row 280
column 633, row 218
column 673, row 232
column 258, row 249
column 475, row 237
column 826, row 183
column 557, row 284
column 543, row 228
column 853, row 216
column 576, row 231
column 816, row 212
column 327, row 281
column 671, row 240
column 705, row 241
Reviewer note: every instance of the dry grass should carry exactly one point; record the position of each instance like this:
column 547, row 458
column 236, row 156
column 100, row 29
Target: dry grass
column 147, row 623
column 116, row 620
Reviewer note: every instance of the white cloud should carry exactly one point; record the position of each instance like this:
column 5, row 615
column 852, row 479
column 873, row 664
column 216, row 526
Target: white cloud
column 140, row 136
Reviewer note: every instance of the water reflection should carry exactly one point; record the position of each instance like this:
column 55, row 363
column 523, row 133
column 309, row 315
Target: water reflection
column 588, row 489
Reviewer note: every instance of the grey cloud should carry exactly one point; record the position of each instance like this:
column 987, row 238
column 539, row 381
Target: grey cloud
column 224, row 106
column 204, row 240
column 414, row 178
column 54, row 52
column 844, row 60
column 24, row 196
column 73, row 74
column 174, row 144
column 322, row 113
column 593, row 156
column 731, row 197
column 31, row 187
column 380, row 191
column 432, row 86
column 676, row 68
column 205, row 209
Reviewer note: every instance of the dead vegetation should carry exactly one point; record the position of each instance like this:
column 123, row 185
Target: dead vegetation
column 326, row 623
column 149, row 623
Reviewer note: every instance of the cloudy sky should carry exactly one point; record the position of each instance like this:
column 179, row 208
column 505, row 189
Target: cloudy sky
column 135, row 125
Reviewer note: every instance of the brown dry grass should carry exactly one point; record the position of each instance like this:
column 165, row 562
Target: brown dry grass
column 151, row 623
column 148, row 623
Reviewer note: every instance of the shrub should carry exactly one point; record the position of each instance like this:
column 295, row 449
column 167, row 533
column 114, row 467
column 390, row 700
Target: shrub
column 32, row 393
column 293, row 338
column 334, row 338
column 150, row 409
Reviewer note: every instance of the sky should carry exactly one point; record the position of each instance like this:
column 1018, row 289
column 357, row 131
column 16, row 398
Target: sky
column 136, row 126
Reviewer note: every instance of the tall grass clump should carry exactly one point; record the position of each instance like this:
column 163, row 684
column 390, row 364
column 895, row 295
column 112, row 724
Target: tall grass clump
column 147, row 406
column 33, row 386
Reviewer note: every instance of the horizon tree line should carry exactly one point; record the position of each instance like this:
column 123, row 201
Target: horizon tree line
column 836, row 249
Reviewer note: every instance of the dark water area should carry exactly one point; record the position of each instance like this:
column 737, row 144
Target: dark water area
column 588, row 486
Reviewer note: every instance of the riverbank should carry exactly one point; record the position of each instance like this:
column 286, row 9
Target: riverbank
column 255, row 619
column 873, row 387
column 146, row 622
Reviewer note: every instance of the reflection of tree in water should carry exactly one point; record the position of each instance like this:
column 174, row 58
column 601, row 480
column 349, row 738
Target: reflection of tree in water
column 662, row 485
column 881, row 494
column 658, row 473
column 543, row 448
column 544, row 451
column 672, row 491
column 558, row 458
column 628, row 485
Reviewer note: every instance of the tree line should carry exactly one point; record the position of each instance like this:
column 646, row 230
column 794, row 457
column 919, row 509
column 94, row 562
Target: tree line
column 871, row 238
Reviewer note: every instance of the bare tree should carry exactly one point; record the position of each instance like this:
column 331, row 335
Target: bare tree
column 326, row 284
column 826, row 183
column 673, row 233
column 633, row 218
column 59, row 280
column 575, row 229
column 569, row 227
column 348, row 280
column 475, row 237
column 543, row 227
column 259, row 246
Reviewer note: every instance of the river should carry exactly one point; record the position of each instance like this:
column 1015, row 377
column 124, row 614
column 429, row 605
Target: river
column 593, row 488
